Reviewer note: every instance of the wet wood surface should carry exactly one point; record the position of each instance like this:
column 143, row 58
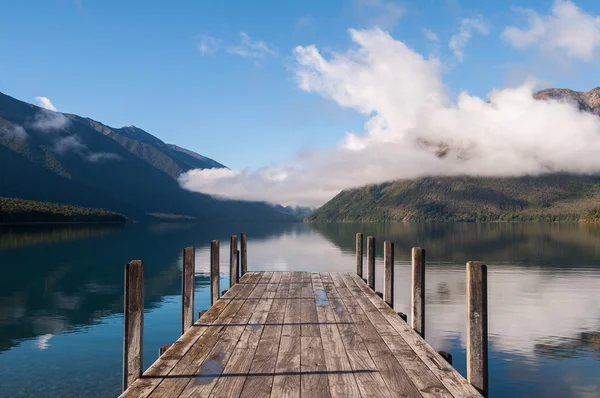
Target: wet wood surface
column 300, row 334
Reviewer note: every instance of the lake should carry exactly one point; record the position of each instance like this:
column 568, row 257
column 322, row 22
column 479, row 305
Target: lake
column 61, row 295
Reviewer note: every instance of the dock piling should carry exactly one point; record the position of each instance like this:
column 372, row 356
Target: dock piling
column 418, row 291
column 134, row 322
column 477, row 326
column 359, row 254
column 215, row 274
column 371, row 262
column 388, row 273
column 233, row 266
column 244, row 255
column 187, row 288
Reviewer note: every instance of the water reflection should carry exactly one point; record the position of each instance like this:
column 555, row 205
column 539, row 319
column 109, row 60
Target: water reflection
column 61, row 295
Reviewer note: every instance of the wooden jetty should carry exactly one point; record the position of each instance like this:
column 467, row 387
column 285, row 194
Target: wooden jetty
column 304, row 334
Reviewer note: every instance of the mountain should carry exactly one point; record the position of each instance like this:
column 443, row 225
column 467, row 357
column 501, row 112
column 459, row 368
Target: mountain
column 588, row 101
column 169, row 158
column 52, row 157
column 547, row 197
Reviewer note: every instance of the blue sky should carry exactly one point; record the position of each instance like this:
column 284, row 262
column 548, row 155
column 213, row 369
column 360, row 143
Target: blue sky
column 142, row 63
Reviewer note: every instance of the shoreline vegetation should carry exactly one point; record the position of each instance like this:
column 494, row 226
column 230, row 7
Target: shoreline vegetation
column 557, row 197
column 20, row 211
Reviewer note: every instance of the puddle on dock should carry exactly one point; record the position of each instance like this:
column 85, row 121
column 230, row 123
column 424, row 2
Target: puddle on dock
column 321, row 297
column 210, row 369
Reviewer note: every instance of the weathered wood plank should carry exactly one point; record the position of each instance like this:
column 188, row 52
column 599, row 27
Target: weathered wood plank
column 313, row 379
column 422, row 377
column 165, row 364
column 188, row 271
column 477, row 326
column 396, row 379
column 418, row 291
column 451, row 379
column 134, row 323
column 340, row 375
column 286, row 382
column 368, row 379
column 206, row 377
column 186, row 369
column 292, row 334
column 259, row 381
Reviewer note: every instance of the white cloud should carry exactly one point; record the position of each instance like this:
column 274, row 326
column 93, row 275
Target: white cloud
column 410, row 116
column 468, row 26
column 249, row 48
column 72, row 143
column 13, row 131
column 566, row 30
column 208, row 45
column 45, row 103
column 431, row 35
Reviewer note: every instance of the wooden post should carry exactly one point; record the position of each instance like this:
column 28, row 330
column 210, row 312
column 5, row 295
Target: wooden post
column 244, row 255
column 371, row 262
column 388, row 273
column 477, row 326
column 237, row 264
column 134, row 322
column 215, row 274
column 359, row 255
column 447, row 356
column 187, row 288
column 163, row 349
column 418, row 291
column 403, row 316
column 233, row 266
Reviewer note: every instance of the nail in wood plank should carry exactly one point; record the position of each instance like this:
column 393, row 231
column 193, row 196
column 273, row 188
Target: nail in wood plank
column 371, row 262
column 134, row 322
column 187, row 288
column 477, row 326
column 418, row 291
column 233, row 266
column 244, row 255
column 215, row 274
column 359, row 255
column 388, row 273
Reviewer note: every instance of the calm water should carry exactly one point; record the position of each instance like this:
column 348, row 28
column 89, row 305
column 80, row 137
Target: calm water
column 61, row 296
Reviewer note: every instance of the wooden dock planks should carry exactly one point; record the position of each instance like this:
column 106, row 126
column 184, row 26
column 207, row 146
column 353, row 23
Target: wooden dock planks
column 300, row 334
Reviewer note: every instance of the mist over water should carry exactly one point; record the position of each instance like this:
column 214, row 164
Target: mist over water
column 61, row 321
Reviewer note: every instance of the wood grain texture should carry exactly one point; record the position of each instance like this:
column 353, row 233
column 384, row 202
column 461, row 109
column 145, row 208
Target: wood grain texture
column 418, row 291
column 450, row 378
column 300, row 334
column 233, row 262
column 388, row 273
column 371, row 262
column 359, row 254
column 477, row 326
column 188, row 272
column 134, row 322
column 244, row 253
column 215, row 272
